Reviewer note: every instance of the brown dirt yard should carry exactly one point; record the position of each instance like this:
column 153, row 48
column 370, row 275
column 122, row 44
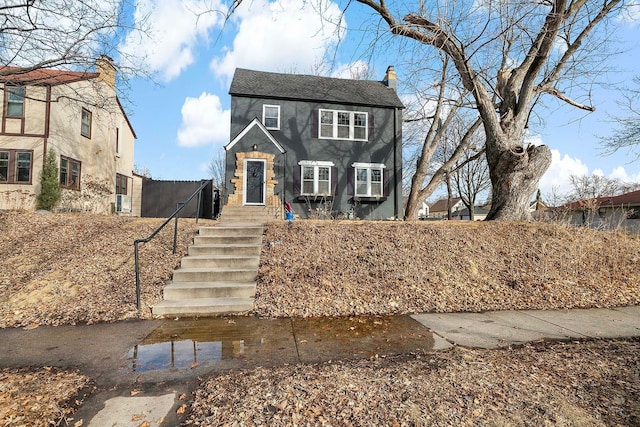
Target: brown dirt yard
column 72, row 268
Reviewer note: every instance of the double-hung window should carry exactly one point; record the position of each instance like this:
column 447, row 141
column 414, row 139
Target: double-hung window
column 316, row 178
column 85, row 126
column 369, row 179
column 70, row 173
column 121, row 184
column 351, row 125
column 15, row 101
column 15, row 166
column 271, row 116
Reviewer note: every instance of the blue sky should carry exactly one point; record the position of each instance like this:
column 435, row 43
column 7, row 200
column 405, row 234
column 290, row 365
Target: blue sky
column 183, row 122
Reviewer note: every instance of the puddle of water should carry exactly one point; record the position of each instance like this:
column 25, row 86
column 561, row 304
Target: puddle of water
column 185, row 344
column 249, row 341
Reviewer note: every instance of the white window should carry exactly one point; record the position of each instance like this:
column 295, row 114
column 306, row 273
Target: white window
column 15, row 101
column 315, row 178
column 368, row 180
column 343, row 125
column 271, row 116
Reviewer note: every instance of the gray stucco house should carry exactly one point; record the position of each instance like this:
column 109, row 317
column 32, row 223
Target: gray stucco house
column 325, row 145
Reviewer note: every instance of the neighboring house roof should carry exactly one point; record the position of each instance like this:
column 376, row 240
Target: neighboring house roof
column 43, row 76
column 627, row 199
column 441, row 205
column 477, row 210
column 313, row 88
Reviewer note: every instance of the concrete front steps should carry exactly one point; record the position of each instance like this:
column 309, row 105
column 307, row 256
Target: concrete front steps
column 250, row 214
column 218, row 275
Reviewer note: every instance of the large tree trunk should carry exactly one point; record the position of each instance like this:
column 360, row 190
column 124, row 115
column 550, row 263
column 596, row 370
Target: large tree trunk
column 515, row 174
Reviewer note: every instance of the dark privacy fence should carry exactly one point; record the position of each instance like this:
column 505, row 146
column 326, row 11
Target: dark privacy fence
column 160, row 199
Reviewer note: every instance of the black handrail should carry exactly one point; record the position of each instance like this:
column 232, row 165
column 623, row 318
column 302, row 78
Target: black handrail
column 181, row 206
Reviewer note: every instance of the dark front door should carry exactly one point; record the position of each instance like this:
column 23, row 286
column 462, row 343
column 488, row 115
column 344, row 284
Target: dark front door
column 254, row 182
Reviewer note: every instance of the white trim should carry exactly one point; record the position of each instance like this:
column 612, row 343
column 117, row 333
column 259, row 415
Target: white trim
column 315, row 163
column 254, row 122
column 264, row 182
column 368, row 165
column 352, row 127
column 264, row 107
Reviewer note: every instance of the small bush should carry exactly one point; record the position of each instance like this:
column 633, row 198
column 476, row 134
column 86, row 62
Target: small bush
column 49, row 186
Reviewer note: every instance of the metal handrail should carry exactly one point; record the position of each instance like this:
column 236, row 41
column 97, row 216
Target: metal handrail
column 174, row 215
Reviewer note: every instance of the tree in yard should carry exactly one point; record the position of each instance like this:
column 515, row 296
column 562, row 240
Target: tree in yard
column 471, row 179
column 507, row 55
column 450, row 131
column 627, row 134
column 217, row 169
column 49, row 184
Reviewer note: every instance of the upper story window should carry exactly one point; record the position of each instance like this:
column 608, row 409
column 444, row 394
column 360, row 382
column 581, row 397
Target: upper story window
column 15, row 101
column 70, row 173
column 336, row 124
column 271, row 116
column 315, row 178
column 85, row 127
column 15, row 166
column 369, row 179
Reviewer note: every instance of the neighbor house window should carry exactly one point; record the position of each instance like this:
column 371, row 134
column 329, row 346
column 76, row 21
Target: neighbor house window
column 4, row 166
column 315, row 178
column 85, row 127
column 121, row 184
column 368, row 179
column 15, row 101
column 271, row 116
column 15, row 166
column 70, row 173
column 343, row 125
column 118, row 142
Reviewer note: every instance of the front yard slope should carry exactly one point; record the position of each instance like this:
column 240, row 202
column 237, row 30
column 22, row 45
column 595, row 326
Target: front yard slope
column 348, row 268
column 69, row 268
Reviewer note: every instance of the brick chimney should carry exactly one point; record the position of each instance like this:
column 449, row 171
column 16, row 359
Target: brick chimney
column 104, row 67
column 390, row 78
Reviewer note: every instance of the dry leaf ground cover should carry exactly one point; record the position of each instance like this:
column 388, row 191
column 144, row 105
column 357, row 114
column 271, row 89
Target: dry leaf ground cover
column 329, row 268
column 69, row 268
column 562, row 384
column 37, row 397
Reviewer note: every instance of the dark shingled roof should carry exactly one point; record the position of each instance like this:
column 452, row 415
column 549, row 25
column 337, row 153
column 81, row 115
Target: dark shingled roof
column 313, row 88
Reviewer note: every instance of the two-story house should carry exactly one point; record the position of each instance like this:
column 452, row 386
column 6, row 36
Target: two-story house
column 322, row 144
column 79, row 117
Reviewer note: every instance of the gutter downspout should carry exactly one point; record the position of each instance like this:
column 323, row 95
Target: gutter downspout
column 47, row 121
column 395, row 164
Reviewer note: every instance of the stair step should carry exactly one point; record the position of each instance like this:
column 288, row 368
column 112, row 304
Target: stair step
column 212, row 261
column 214, row 274
column 227, row 240
column 232, row 230
column 224, row 250
column 203, row 307
column 192, row 290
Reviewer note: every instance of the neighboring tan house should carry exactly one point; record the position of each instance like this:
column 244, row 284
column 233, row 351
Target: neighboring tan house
column 78, row 115
column 439, row 208
column 479, row 213
column 604, row 212
column 328, row 146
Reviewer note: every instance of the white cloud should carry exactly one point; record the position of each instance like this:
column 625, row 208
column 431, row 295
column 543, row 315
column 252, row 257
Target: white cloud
column 353, row 70
column 204, row 121
column 556, row 179
column 177, row 26
column 284, row 35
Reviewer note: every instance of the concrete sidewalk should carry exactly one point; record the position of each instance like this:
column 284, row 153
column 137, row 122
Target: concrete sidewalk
column 147, row 367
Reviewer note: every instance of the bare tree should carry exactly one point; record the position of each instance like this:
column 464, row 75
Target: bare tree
column 593, row 186
column 66, row 35
column 471, row 179
column 446, row 138
column 217, row 169
column 507, row 55
column 627, row 134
